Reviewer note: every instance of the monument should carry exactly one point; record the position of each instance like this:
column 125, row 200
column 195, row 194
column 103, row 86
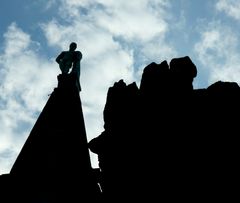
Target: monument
column 54, row 163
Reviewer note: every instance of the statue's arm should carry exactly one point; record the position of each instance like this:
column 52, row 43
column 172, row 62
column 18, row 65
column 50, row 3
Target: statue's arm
column 78, row 55
column 59, row 57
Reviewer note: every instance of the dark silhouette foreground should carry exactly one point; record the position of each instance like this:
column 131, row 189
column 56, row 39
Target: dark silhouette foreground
column 167, row 142
column 163, row 142
column 54, row 163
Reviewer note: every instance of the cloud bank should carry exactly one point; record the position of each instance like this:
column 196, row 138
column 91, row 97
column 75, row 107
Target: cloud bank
column 25, row 82
column 117, row 40
column 218, row 47
column 229, row 7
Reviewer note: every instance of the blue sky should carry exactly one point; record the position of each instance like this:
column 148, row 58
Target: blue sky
column 117, row 40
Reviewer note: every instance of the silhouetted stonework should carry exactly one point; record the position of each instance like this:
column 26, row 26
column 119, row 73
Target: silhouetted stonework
column 54, row 164
column 163, row 142
column 167, row 141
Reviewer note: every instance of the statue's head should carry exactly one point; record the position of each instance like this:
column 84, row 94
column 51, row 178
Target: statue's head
column 72, row 46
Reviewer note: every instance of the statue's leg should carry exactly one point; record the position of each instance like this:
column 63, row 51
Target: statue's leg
column 63, row 68
column 76, row 71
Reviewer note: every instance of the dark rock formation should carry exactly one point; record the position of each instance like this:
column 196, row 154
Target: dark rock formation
column 162, row 142
column 183, row 71
column 155, row 78
column 167, row 141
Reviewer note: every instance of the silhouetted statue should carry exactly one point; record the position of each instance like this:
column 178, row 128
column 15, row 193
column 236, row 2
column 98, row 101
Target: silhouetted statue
column 54, row 163
column 70, row 60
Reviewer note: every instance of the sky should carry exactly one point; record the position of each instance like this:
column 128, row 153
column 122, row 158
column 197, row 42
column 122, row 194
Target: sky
column 117, row 38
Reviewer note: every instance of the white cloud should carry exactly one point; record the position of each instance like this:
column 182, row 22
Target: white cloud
column 24, row 91
column 109, row 34
column 217, row 50
column 230, row 7
column 135, row 21
column 50, row 3
column 16, row 40
column 6, row 159
column 103, row 63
